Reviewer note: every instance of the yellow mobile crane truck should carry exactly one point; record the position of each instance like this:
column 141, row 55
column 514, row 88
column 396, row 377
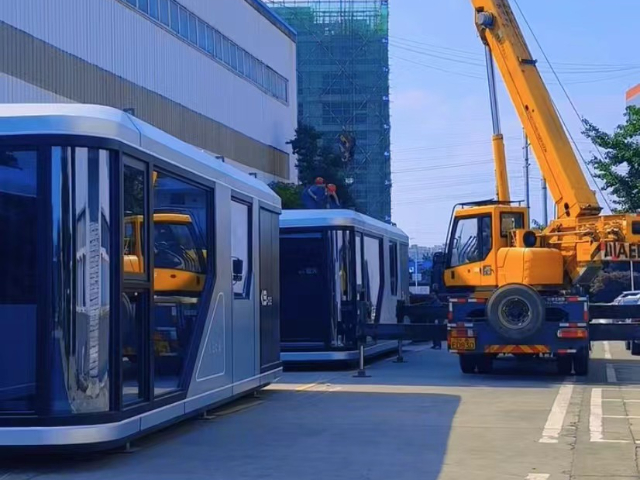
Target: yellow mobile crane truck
column 511, row 290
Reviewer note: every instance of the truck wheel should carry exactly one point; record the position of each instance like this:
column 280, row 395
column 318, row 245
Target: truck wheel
column 564, row 365
column 581, row 363
column 467, row 363
column 635, row 348
column 485, row 364
column 516, row 312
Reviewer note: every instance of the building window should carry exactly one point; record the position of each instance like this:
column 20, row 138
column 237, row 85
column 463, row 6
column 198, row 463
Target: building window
column 175, row 17
column 163, row 11
column 193, row 29
column 233, row 55
column 153, row 9
column 240, row 246
column 202, row 35
column 184, row 23
column 210, row 41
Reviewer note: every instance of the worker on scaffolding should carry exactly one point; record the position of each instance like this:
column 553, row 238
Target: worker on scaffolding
column 315, row 196
column 332, row 197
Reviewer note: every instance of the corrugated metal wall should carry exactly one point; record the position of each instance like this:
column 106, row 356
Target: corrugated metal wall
column 108, row 53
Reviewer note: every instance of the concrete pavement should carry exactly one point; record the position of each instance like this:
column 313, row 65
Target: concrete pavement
column 418, row 420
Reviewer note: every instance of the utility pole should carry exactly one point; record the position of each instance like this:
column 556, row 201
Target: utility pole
column 416, row 268
column 526, row 175
column 545, row 218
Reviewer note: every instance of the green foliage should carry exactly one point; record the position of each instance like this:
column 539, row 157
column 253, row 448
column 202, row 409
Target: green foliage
column 289, row 193
column 619, row 167
column 316, row 158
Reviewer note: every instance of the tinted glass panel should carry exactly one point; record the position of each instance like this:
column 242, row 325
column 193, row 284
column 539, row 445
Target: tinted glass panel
column 393, row 267
column 18, row 279
column 143, row 5
column 240, row 242
column 305, row 309
column 134, row 363
column 180, row 271
column 373, row 272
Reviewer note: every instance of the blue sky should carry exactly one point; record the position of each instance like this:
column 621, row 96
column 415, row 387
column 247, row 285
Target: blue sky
column 440, row 117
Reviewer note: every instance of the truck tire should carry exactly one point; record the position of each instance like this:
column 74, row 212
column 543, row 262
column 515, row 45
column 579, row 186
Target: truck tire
column 467, row 363
column 581, row 363
column 516, row 312
column 565, row 364
column 635, row 348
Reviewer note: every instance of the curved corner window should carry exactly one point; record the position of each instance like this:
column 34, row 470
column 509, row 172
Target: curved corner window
column 18, row 279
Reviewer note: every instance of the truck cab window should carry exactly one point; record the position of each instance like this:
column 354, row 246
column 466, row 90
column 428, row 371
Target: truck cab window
column 464, row 248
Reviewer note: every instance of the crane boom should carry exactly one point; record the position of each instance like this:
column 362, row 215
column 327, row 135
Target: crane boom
column 558, row 163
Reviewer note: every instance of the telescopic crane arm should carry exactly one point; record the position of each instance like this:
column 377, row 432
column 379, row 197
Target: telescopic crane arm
column 558, row 163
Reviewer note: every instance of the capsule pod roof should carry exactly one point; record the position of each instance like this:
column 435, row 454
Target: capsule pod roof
column 107, row 122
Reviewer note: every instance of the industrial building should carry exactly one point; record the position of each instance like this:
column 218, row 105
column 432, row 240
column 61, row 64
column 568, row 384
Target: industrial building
column 343, row 87
column 633, row 96
column 218, row 75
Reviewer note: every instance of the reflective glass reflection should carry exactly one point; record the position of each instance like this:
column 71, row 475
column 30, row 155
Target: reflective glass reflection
column 18, row 279
column 180, row 222
column 240, row 247
column 81, row 221
column 373, row 272
column 90, row 362
column 134, row 211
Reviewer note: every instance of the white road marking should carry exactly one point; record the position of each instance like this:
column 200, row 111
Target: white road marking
column 553, row 427
column 595, row 418
column 611, row 374
column 607, row 350
column 620, row 416
column 538, row 476
column 619, row 400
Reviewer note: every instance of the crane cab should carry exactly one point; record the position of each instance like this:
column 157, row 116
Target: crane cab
column 488, row 246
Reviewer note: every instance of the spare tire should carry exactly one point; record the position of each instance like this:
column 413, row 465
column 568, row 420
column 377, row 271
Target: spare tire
column 516, row 312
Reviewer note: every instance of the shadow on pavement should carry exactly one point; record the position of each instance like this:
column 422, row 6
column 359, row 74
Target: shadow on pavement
column 289, row 436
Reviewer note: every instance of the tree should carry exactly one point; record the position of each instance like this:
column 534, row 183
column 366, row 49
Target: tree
column 619, row 167
column 317, row 158
column 289, row 193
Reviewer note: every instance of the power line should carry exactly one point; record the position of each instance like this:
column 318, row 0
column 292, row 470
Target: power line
column 575, row 110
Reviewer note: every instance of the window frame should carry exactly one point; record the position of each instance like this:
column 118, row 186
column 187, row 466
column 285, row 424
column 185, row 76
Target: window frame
column 479, row 218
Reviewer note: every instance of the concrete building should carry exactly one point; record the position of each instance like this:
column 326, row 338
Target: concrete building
column 343, row 87
column 633, row 96
column 219, row 75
